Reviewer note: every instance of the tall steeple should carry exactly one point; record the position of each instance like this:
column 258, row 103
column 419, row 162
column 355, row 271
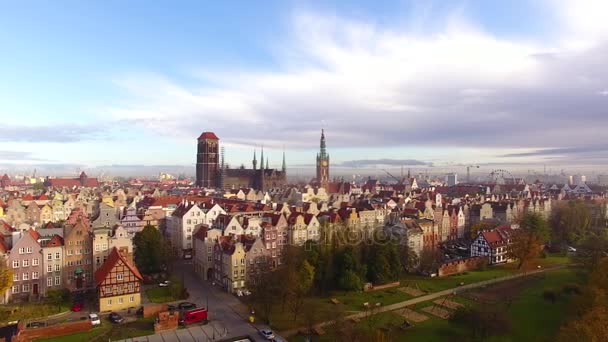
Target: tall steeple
column 262, row 159
column 255, row 161
column 284, row 168
column 323, row 153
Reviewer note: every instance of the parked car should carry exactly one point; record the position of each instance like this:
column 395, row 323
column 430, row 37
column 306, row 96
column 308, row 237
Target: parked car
column 267, row 334
column 77, row 306
column 194, row 316
column 94, row 319
column 171, row 307
column 34, row 325
column 140, row 311
column 164, row 283
column 571, row 249
column 115, row 318
column 186, row 306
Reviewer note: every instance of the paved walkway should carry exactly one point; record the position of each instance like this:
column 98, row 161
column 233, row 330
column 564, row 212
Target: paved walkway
column 429, row 297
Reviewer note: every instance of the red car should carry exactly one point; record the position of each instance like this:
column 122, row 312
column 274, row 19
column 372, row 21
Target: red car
column 77, row 307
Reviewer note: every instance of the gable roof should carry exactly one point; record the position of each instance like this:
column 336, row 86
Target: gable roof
column 208, row 135
column 102, row 273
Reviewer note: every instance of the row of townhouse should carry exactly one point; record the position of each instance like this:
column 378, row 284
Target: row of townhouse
column 59, row 258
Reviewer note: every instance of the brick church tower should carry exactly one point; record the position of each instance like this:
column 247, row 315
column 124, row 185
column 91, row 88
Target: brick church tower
column 207, row 160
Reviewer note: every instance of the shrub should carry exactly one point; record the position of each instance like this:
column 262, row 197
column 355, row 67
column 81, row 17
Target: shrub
column 550, row 295
column 571, row 289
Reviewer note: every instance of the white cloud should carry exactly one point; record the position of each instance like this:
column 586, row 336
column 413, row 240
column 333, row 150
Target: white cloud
column 374, row 86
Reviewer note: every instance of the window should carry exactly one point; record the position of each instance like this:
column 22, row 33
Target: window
column 15, row 289
column 97, row 248
column 21, row 250
column 15, row 277
column 78, row 262
column 104, row 246
column 49, row 256
column 25, row 288
column 250, row 261
column 130, row 287
column 120, row 300
column 57, row 256
column 208, row 249
column 49, row 268
column 26, row 276
column 78, row 251
column 209, row 259
column 57, row 268
column 131, row 299
column 15, row 264
column 119, row 276
column 35, row 262
column 188, row 221
column 70, row 252
column 25, row 263
column 57, row 280
column 49, row 282
column 34, row 275
column 236, row 273
column 29, row 250
column 242, row 271
column 109, row 302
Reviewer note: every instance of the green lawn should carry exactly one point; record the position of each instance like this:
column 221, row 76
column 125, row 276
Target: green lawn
column 533, row 318
column 30, row 311
column 160, row 295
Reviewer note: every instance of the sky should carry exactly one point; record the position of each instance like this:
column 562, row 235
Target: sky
column 414, row 83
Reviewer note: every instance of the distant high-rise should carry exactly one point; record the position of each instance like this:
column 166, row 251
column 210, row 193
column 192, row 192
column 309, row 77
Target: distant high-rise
column 207, row 160
column 323, row 163
column 451, row 179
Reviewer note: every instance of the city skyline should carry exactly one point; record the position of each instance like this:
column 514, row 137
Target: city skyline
column 424, row 86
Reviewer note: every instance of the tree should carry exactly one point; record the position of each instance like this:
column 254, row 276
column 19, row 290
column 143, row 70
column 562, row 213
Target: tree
column 264, row 286
column 570, row 222
column 591, row 327
column 408, row 258
column 528, row 241
column 592, row 249
column 151, row 252
column 57, row 297
column 6, row 276
column 430, row 259
column 298, row 283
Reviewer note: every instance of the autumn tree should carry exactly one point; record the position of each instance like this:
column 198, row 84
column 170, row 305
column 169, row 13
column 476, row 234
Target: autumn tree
column 592, row 326
column 299, row 282
column 592, row 249
column 481, row 226
column 528, row 241
column 264, row 285
column 6, row 276
column 430, row 259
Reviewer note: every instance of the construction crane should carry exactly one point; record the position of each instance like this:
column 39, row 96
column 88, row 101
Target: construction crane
column 399, row 181
column 469, row 171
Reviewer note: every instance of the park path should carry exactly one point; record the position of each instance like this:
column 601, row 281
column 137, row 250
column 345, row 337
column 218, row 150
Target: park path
column 426, row 298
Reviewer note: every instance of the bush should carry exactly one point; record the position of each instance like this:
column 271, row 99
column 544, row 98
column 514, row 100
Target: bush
column 350, row 281
column 571, row 289
column 550, row 295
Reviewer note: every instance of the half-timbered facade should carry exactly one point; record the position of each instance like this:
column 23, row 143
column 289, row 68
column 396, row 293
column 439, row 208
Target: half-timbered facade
column 118, row 283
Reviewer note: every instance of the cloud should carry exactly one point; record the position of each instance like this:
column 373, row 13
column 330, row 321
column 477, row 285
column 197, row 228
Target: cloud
column 18, row 156
column 51, row 133
column 380, row 162
column 565, row 151
column 372, row 86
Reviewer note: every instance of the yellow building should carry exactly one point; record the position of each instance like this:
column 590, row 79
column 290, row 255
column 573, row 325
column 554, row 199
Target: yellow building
column 118, row 283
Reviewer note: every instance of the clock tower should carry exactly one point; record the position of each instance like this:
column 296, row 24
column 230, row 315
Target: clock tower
column 323, row 163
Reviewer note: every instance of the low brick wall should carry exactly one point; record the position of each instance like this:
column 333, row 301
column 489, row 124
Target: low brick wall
column 166, row 321
column 382, row 287
column 153, row 309
column 57, row 330
column 460, row 266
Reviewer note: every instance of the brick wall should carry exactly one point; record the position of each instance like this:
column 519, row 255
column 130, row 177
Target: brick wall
column 460, row 266
column 166, row 321
column 381, row 287
column 153, row 309
column 54, row 331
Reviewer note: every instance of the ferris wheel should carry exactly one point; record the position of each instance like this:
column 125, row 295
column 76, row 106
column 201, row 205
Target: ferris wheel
column 500, row 176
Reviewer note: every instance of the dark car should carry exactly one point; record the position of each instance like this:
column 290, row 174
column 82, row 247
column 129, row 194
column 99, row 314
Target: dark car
column 186, row 306
column 115, row 318
column 33, row 325
column 171, row 307
column 140, row 311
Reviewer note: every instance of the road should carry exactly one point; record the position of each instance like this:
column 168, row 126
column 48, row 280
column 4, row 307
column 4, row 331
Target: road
column 426, row 298
column 227, row 315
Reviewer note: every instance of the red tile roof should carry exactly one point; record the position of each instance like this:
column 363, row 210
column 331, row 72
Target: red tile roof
column 208, row 135
column 102, row 273
column 34, row 234
column 55, row 241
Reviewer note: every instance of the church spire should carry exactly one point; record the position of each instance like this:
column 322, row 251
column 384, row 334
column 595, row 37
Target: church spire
column 284, row 168
column 255, row 161
column 262, row 159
